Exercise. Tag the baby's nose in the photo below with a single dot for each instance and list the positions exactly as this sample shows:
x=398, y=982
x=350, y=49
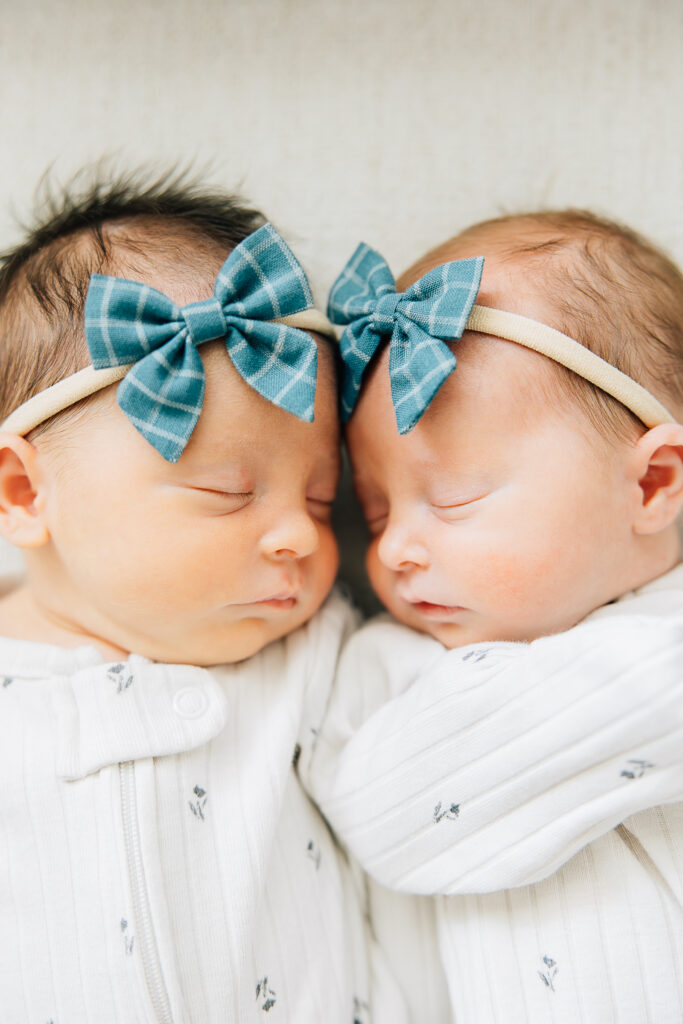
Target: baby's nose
x=399, y=549
x=294, y=535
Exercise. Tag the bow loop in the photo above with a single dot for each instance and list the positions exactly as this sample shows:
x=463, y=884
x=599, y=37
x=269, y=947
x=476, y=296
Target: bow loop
x=163, y=392
x=262, y=279
x=364, y=279
x=416, y=323
x=125, y=320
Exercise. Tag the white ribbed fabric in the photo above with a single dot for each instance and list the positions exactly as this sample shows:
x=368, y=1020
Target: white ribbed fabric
x=522, y=782
x=159, y=860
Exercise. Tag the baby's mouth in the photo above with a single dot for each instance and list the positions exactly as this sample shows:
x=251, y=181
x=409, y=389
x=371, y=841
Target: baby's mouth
x=436, y=611
x=282, y=601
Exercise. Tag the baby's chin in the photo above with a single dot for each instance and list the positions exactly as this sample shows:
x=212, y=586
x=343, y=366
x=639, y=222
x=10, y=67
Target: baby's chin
x=463, y=627
x=448, y=634
x=451, y=627
x=233, y=643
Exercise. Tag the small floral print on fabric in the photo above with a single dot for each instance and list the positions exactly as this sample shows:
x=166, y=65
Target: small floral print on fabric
x=551, y=970
x=475, y=656
x=442, y=811
x=361, y=1011
x=313, y=853
x=199, y=803
x=119, y=675
x=7, y=681
x=636, y=768
x=129, y=940
x=265, y=995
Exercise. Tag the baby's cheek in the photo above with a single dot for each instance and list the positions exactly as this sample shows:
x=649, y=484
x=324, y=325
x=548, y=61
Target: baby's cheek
x=380, y=577
x=516, y=583
x=326, y=561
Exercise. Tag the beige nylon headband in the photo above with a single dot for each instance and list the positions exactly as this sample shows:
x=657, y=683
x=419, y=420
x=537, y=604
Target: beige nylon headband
x=510, y=326
x=86, y=382
x=574, y=356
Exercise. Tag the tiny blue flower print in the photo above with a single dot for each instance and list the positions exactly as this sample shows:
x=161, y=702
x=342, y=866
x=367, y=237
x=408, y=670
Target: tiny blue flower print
x=360, y=1011
x=199, y=803
x=636, y=769
x=442, y=811
x=265, y=994
x=7, y=681
x=313, y=852
x=551, y=970
x=129, y=940
x=120, y=677
x=475, y=656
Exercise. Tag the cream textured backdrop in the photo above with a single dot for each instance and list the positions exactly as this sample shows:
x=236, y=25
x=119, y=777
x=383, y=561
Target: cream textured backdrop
x=393, y=121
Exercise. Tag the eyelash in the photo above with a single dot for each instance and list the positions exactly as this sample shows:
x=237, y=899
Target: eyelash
x=242, y=498
x=458, y=504
x=376, y=524
x=238, y=498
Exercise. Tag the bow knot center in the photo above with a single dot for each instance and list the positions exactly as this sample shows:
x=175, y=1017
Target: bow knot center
x=384, y=314
x=205, y=320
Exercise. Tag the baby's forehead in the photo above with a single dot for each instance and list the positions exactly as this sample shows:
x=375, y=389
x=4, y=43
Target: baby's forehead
x=513, y=278
x=180, y=262
x=494, y=382
x=497, y=240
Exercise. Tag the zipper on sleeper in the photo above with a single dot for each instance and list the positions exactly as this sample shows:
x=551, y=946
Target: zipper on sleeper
x=143, y=918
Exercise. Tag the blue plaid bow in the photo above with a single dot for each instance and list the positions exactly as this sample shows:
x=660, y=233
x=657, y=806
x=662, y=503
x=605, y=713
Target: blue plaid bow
x=163, y=393
x=437, y=306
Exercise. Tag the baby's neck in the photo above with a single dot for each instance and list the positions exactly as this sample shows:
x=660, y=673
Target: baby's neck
x=23, y=618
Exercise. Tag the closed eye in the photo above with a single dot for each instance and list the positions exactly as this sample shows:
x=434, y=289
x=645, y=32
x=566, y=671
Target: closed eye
x=456, y=508
x=225, y=501
x=320, y=508
x=376, y=523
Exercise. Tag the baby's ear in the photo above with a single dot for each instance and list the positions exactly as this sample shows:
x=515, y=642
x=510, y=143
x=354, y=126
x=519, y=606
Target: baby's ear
x=659, y=465
x=22, y=521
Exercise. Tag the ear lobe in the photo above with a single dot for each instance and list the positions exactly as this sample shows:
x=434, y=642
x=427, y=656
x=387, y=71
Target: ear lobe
x=660, y=476
x=21, y=505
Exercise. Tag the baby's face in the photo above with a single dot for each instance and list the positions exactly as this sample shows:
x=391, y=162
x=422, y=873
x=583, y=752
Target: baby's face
x=207, y=560
x=496, y=517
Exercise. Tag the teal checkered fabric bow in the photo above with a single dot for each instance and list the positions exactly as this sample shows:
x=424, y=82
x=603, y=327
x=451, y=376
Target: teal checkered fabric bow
x=436, y=307
x=163, y=392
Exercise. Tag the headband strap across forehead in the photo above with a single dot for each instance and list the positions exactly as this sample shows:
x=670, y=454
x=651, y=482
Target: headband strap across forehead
x=262, y=306
x=440, y=307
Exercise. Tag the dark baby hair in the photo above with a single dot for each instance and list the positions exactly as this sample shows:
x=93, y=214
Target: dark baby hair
x=100, y=224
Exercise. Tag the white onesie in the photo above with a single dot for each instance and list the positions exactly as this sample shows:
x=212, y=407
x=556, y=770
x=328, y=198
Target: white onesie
x=536, y=790
x=159, y=859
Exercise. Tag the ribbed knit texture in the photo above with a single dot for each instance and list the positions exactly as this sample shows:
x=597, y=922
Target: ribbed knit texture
x=520, y=784
x=159, y=859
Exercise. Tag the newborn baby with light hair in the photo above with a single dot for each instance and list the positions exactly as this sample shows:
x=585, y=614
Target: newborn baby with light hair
x=512, y=743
